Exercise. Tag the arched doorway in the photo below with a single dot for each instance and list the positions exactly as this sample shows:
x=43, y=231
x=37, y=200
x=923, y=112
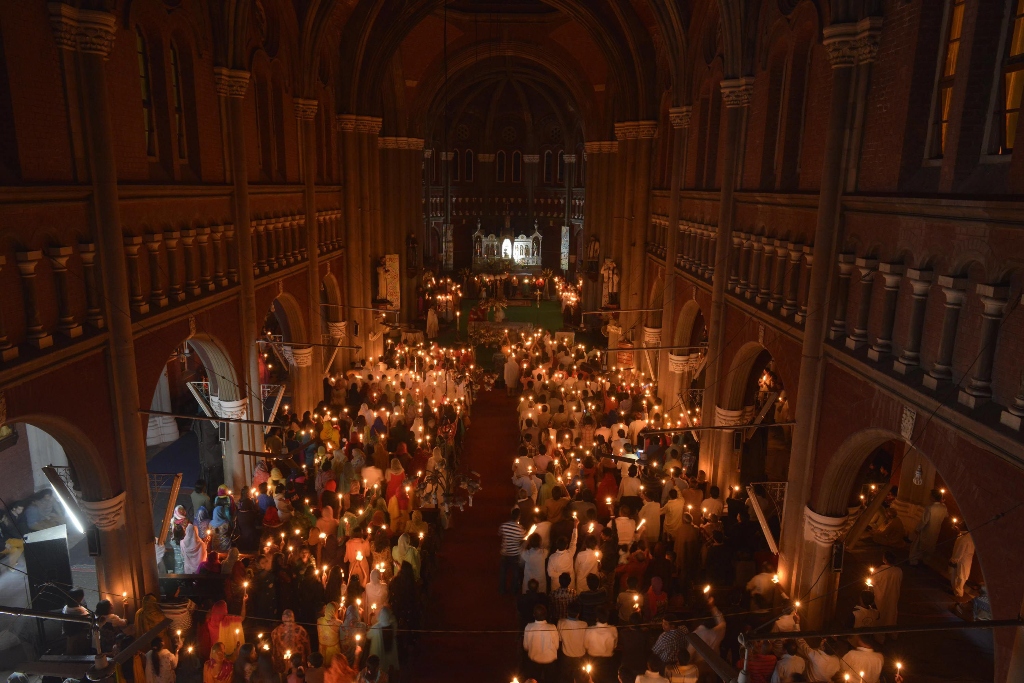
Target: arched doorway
x=197, y=380
x=29, y=509
x=286, y=361
x=333, y=329
x=875, y=489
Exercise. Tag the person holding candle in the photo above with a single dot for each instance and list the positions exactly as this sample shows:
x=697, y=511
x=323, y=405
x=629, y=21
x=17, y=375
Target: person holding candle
x=160, y=663
x=218, y=668
x=288, y=637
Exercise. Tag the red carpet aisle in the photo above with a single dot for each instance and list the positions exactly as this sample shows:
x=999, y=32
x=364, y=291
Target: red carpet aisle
x=464, y=595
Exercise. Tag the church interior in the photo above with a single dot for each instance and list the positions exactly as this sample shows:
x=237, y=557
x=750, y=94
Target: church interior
x=320, y=318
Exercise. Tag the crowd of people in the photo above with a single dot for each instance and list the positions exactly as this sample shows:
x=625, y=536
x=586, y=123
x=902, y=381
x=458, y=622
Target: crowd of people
x=618, y=547
x=319, y=566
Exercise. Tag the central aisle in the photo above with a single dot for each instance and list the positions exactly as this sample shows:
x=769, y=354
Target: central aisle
x=464, y=595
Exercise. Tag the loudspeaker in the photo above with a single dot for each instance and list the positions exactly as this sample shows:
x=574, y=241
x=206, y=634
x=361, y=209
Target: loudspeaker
x=222, y=431
x=47, y=561
x=737, y=441
x=838, y=550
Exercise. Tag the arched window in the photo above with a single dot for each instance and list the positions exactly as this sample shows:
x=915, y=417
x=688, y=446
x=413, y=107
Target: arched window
x=772, y=121
x=469, y=165
x=456, y=163
x=10, y=166
x=147, y=94
x=517, y=167
x=1009, y=87
x=177, y=102
x=281, y=158
x=581, y=166
x=499, y=166
x=561, y=167
x=549, y=171
x=947, y=74
x=263, y=126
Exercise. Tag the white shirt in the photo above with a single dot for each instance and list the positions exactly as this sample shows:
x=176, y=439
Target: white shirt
x=712, y=636
x=651, y=677
x=626, y=528
x=821, y=666
x=713, y=506
x=863, y=659
x=587, y=562
x=786, y=667
x=540, y=640
x=573, y=633
x=168, y=662
x=601, y=640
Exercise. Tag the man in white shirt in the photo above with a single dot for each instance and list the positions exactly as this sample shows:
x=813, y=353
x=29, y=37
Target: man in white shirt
x=713, y=504
x=862, y=663
x=655, y=668
x=600, y=642
x=712, y=631
x=960, y=562
x=587, y=562
x=822, y=664
x=573, y=632
x=561, y=561
x=886, y=583
x=540, y=640
x=790, y=663
x=673, y=511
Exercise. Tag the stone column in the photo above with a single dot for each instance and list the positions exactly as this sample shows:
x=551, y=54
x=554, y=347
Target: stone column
x=305, y=112
x=764, y=286
x=259, y=247
x=842, y=297
x=820, y=533
x=743, y=259
x=59, y=262
x=736, y=94
x=780, y=276
x=8, y=351
x=920, y=284
x=93, y=309
x=130, y=564
x=353, y=235
x=205, y=277
x=942, y=369
x=799, y=567
x=892, y=273
x=132, y=245
x=979, y=390
x=175, y=292
x=156, y=288
x=734, y=267
x=188, y=240
x=792, y=280
x=805, y=279
x=756, y=259
x=640, y=217
x=217, y=233
x=230, y=253
x=679, y=117
x=34, y=332
x=231, y=87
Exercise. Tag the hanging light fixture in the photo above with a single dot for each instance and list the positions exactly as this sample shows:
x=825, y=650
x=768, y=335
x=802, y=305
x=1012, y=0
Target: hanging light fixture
x=918, y=476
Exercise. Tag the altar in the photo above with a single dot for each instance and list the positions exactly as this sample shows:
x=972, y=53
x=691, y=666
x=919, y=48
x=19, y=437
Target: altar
x=496, y=252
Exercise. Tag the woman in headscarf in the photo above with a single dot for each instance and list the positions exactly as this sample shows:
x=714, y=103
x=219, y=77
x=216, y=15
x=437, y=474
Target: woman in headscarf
x=209, y=632
x=395, y=476
x=339, y=670
x=398, y=509
x=351, y=627
x=382, y=556
x=202, y=522
x=180, y=517
x=148, y=615
x=416, y=526
x=227, y=567
x=288, y=637
x=327, y=631
x=221, y=526
x=383, y=642
x=193, y=550
x=405, y=552
x=376, y=594
x=327, y=523
x=218, y=667
x=245, y=664
x=261, y=474
x=311, y=599
x=607, y=491
x=546, y=488
x=366, y=414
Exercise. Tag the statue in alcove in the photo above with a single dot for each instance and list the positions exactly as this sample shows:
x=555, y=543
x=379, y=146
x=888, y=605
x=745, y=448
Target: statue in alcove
x=610, y=284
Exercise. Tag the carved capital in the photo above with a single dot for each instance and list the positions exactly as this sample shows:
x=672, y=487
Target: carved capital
x=369, y=124
x=337, y=329
x=601, y=146
x=88, y=31
x=824, y=530
x=346, y=122
x=679, y=117
x=485, y=158
x=230, y=82
x=531, y=158
x=233, y=410
x=631, y=130
x=869, y=35
x=387, y=143
x=840, y=41
x=428, y=154
x=736, y=92
x=105, y=515
x=305, y=110
x=652, y=336
x=733, y=418
x=569, y=158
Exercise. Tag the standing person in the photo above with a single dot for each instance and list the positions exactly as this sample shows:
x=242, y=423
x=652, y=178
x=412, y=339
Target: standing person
x=886, y=583
x=540, y=640
x=587, y=562
x=193, y=550
x=511, y=534
x=822, y=663
x=289, y=637
x=511, y=374
x=600, y=641
x=76, y=634
x=217, y=668
x=533, y=563
x=561, y=560
x=572, y=631
x=655, y=671
x=688, y=547
x=327, y=632
x=383, y=642
x=789, y=664
x=562, y=596
x=160, y=662
x=862, y=663
x=961, y=560
x=928, y=529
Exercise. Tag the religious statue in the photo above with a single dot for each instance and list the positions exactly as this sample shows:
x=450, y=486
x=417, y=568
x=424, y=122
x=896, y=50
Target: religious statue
x=610, y=285
x=593, y=256
x=382, y=280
